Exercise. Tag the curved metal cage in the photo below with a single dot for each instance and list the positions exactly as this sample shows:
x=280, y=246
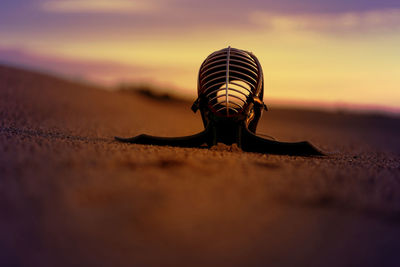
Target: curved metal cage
x=228, y=81
x=230, y=99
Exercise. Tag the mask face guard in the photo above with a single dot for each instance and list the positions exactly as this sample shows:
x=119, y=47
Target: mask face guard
x=230, y=93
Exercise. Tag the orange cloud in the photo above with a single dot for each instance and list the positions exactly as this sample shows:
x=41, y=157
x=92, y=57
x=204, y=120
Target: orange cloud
x=98, y=6
x=369, y=20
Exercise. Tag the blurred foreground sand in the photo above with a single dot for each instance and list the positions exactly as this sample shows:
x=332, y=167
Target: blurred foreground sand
x=71, y=196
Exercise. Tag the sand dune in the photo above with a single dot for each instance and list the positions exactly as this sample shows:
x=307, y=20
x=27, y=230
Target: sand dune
x=72, y=196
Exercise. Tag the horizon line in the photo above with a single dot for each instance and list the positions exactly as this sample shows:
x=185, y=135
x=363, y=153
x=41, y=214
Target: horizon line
x=179, y=93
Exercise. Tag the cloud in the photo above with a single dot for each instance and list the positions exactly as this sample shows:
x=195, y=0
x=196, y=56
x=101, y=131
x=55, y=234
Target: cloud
x=292, y=6
x=346, y=21
x=98, y=6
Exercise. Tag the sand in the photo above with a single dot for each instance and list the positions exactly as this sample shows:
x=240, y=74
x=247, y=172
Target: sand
x=72, y=196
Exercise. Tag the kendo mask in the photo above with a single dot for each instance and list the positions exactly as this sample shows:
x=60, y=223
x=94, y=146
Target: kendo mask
x=230, y=99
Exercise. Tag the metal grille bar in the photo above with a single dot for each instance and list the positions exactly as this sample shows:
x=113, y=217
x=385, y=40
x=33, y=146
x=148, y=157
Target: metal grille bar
x=227, y=78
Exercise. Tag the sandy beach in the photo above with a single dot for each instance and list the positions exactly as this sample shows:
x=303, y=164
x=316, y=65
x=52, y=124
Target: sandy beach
x=72, y=196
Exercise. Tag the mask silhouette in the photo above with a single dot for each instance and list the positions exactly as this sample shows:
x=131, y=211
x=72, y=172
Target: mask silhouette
x=230, y=100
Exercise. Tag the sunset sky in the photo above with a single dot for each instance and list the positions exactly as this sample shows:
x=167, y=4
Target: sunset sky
x=336, y=52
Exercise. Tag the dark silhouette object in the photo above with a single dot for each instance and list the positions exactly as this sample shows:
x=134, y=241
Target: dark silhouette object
x=230, y=93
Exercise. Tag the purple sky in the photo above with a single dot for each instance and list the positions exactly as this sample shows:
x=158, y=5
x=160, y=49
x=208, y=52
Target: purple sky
x=26, y=15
